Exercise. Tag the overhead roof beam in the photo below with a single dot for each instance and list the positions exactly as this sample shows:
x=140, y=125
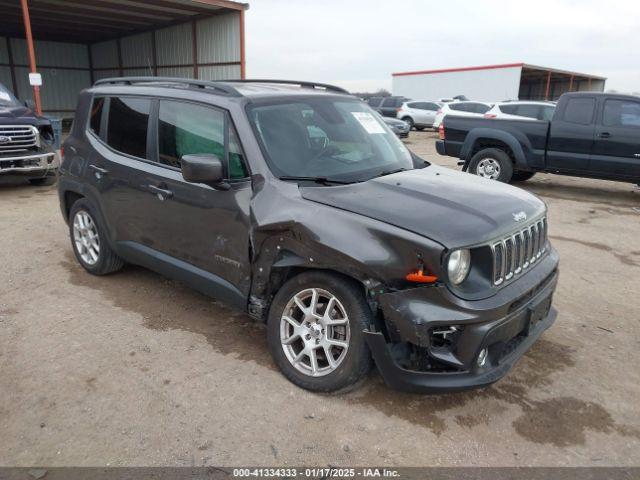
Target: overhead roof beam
x=79, y=14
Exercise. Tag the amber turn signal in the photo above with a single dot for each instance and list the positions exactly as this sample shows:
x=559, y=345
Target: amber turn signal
x=420, y=277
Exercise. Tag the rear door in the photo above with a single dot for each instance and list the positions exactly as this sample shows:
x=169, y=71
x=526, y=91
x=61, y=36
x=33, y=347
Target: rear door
x=571, y=135
x=389, y=106
x=616, y=146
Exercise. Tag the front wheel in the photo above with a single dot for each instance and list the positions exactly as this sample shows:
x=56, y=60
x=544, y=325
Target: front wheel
x=315, y=332
x=492, y=163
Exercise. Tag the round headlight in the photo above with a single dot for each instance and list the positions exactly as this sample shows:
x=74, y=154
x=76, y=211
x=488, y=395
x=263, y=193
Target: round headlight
x=458, y=266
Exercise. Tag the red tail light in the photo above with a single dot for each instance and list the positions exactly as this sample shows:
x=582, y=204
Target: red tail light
x=61, y=152
x=398, y=109
x=441, y=131
x=490, y=115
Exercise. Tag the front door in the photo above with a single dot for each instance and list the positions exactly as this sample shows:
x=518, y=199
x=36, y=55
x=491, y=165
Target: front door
x=616, y=147
x=157, y=214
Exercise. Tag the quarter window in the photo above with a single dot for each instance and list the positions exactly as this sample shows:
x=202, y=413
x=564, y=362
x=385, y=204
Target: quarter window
x=579, y=110
x=95, y=117
x=127, y=126
x=621, y=113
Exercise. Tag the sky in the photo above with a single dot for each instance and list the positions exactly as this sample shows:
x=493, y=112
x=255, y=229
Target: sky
x=357, y=44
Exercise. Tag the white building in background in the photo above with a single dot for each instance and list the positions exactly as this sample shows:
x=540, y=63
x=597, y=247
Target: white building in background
x=494, y=83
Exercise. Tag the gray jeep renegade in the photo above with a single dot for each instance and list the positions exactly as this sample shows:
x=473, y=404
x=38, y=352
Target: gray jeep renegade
x=294, y=202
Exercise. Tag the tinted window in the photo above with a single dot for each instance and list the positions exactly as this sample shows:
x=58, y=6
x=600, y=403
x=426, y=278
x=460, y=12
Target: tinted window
x=127, y=127
x=375, y=101
x=185, y=128
x=389, y=102
x=621, y=113
x=508, y=109
x=432, y=106
x=528, y=110
x=95, y=116
x=414, y=104
x=546, y=113
x=579, y=110
x=481, y=108
x=461, y=107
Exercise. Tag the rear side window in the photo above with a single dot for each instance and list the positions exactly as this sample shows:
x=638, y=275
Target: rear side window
x=186, y=128
x=508, y=109
x=621, y=113
x=481, y=108
x=375, y=101
x=432, y=106
x=389, y=102
x=127, y=125
x=528, y=110
x=579, y=110
x=95, y=116
x=460, y=107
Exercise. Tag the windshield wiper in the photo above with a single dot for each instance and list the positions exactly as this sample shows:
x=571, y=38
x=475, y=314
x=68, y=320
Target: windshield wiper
x=320, y=180
x=389, y=172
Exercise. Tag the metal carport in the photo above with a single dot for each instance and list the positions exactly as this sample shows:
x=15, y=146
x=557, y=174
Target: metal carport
x=72, y=43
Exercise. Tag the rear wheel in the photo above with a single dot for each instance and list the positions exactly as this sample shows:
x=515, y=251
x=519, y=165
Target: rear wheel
x=409, y=120
x=88, y=240
x=492, y=163
x=315, y=332
x=520, y=176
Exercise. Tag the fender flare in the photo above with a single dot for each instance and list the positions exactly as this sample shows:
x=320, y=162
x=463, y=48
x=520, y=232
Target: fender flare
x=514, y=143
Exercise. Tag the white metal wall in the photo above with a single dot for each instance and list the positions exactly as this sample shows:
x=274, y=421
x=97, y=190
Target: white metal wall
x=489, y=85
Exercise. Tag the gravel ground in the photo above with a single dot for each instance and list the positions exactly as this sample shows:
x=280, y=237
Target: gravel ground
x=135, y=369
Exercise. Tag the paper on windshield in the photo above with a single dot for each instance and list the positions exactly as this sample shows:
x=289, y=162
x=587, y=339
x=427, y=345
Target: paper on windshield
x=368, y=122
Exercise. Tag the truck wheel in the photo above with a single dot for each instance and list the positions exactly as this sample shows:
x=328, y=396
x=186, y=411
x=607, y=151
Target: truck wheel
x=520, y=176
x=492, y=163
x=88, y=241
x=44, y=181
x=315, y=332
x=409, y=120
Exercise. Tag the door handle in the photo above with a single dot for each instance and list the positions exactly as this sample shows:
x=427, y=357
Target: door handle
x=161, y=193
x=98, y=172
x=604, y=135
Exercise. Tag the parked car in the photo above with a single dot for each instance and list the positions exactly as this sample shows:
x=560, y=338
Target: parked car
x=26, y=142
x=419, y=113
x=299, y=207
x=594, y=135
x=399, y=127
x=522, y=110
x=387, y=106
x=461, y=109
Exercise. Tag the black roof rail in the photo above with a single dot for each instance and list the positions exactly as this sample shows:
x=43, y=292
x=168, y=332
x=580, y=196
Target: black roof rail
x=226, y=89
x=302, y=84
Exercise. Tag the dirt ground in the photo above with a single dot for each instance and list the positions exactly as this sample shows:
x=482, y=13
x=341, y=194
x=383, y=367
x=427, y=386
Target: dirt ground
x=135, y=369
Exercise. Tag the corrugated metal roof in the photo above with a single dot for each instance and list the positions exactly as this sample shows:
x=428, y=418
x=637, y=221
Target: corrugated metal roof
x=89, y=21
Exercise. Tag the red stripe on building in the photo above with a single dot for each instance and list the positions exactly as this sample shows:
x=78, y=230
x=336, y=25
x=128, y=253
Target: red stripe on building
x=463, y=69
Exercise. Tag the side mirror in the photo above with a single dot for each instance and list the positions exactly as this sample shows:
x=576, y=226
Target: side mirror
x=203, y=168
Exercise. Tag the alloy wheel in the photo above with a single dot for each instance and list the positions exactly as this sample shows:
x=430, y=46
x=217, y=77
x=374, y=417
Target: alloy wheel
x=314, y=332
x=86, y=238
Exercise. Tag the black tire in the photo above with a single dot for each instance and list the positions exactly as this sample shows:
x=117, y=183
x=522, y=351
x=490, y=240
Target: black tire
x=357, y=361
x=107, y=261
x=409, y=120
x=500, y=156
x=420, y=129
x=42, y=182
x=520, y=176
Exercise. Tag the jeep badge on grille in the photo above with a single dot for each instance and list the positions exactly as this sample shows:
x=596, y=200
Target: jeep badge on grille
x=519, y=216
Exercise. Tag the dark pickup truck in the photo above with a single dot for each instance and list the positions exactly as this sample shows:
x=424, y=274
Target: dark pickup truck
x=594, y=135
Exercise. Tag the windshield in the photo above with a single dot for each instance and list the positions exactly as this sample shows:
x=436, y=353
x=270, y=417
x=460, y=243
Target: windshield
x=331, y=138
x=6, y=98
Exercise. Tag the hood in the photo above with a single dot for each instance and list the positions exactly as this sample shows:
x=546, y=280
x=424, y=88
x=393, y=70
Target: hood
x=453, y=208
x=23, y=115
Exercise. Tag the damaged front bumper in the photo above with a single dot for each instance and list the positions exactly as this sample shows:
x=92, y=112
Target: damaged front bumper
x=499, y=329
